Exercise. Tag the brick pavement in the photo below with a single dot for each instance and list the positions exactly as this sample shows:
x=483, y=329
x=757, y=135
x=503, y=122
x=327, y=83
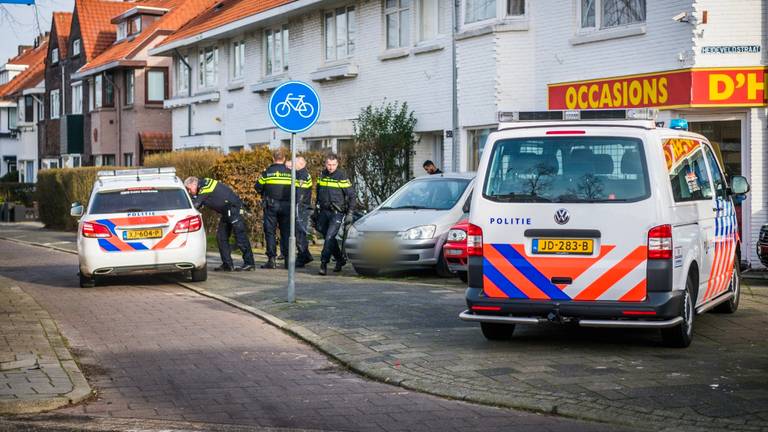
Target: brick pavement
x=37, y=371
x=158, y=351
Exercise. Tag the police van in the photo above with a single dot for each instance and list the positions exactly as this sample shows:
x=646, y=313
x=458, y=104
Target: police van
x=139, y=221
x=600, y=219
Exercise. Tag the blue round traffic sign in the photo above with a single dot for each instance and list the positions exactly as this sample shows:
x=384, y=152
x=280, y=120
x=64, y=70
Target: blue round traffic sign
x=294, y=106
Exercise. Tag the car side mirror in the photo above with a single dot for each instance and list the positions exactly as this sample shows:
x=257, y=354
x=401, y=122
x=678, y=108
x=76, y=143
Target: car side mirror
x=739, y=185
x=76, y=210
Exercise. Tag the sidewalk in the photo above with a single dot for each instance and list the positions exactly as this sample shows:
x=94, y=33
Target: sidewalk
x=407, y=332
x=37, y=371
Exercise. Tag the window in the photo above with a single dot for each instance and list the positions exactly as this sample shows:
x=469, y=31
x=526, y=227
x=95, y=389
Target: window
x=318, y=144
x=107, y=160
x=182, y=75
x=55, y=108
x=130, y=86
x=77, y=98
x=144, y=199
x=717, y=175
x=122, y=30
x=40, y=110
x=339, y=28
x=134, y=25
x=76, y=162
x=109, y=90
x=237, y=59
x=515, y=8
x=600, y=14
x=155, y=85
x=54, y=56
x=431, y=19
x=398, y=23
x=209, y=66
x=276, y=49
x=426, y=194
x=689, y=178
x=13, y=117
x=76, y=48
x=479, y=10
x=29, y=109
x=477, y=139
x=127, y=159
x=97, y=88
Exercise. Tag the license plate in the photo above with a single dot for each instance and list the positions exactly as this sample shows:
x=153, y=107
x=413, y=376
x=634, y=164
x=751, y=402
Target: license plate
x=453, y=251
x=379, y=249
x=563, y=246
x=142, y=234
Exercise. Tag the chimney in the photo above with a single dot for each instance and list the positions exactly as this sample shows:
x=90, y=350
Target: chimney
x=24, y=48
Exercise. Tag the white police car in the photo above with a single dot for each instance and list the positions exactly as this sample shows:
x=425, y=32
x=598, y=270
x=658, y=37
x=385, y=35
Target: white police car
x=139, y=221
x=601, y=221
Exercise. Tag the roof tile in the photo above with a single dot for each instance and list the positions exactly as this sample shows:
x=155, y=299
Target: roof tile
x=63, y=23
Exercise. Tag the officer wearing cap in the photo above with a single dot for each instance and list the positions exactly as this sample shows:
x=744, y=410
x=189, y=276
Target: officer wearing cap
x=220, y=198
x=274, y=186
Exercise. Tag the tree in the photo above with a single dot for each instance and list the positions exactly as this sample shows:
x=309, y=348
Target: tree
x=381, y=160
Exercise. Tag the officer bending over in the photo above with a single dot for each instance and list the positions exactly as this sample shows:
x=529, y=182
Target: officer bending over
x=335, y=200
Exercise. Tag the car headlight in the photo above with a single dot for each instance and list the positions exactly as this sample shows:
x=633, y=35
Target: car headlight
x=352, y=232
x=457, y=235
x=423, y=232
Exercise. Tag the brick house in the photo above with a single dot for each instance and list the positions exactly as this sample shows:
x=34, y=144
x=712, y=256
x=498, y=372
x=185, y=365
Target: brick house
x=49, y=141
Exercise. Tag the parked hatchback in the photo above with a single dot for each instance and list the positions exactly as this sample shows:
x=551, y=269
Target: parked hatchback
x=408, y=230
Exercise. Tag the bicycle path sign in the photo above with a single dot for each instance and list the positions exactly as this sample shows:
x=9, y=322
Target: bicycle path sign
x=294, y=106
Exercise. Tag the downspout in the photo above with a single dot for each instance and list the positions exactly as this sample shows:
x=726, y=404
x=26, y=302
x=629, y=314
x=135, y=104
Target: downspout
x=116, y=90
x=454, y=88
x=189, y=90
x=62, y=111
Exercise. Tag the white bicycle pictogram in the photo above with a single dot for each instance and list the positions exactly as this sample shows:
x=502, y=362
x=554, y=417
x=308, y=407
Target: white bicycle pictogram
x=304, y=109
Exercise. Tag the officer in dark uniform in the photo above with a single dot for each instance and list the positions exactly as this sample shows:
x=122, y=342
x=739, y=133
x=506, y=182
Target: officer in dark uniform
x=220, y=198
x=274, y=186
x=335, y=201
x=303, y=209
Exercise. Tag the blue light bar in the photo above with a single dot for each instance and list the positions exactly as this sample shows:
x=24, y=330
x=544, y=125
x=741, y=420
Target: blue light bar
x=678, y=123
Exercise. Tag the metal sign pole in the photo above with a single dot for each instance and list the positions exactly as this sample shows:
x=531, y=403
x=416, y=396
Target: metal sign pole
x=292, y=239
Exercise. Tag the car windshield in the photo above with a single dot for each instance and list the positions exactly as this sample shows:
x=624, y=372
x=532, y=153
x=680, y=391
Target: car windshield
x=567, y=170
x=140, y=200
x=439, y=194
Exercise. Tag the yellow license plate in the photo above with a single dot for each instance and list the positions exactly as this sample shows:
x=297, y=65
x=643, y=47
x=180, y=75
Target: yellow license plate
x=142, y=234
x=563, y=246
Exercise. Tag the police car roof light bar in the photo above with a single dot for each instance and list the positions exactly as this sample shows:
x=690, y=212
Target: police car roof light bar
x=572, y=115
x=137, y=173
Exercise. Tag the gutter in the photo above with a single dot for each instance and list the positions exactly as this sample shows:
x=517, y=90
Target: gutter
x=80, y=74
x=277, y=12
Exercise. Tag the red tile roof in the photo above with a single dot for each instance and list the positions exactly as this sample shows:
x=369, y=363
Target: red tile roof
x=96, y=30
x=30, y=77
x=181, y=11
x=222, y=13
x=155, y=141
x=63, y=23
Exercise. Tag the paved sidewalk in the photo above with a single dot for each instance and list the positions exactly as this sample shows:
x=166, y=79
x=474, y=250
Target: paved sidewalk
x=37, y=371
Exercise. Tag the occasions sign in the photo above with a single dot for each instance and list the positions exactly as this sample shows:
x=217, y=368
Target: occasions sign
x=712, y=87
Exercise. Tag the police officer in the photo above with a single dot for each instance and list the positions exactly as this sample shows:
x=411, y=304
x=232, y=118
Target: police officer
x=335, y=200
x=220, y=198
x=274, y=186
x=303, y=209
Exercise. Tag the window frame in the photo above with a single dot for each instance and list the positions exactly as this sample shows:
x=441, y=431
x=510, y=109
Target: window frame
x=203, y=82
x=108, y=97
x=13, y=117
x=98, y=89
x=55, y=56
x=398, y=11
x=29, y=109
x=236, y=71
x=700, y=151
x=77, y=86
x=147, y=73
x=129, y=84
x=502, y=13
x=334, y=13
x=598, y=27
x=134, y=25
x=76, y=47
x=284, y=50
x=419, y=18
x=55, y=108
x=182, y=75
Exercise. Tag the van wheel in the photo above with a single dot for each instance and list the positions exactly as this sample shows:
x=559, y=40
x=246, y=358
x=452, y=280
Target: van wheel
x=680, y=336
x=735, y=287
x=87, y=282
x=497, y=332
x=464, y=276
x=441, y=268
x=201, y=274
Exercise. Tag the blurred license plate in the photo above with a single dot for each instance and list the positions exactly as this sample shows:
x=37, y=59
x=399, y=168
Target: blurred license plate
x=379, y=249
x=453, y=251
x=563, y=246
x=142, y=234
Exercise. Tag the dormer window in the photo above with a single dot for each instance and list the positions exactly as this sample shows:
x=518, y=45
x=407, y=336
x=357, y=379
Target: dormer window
x=76, y=48
x=134, y=26
x=54, y=56
x=130, y=22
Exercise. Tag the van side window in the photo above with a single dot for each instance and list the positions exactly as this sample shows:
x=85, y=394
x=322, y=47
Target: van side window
x=689, y=178
x=717, y=175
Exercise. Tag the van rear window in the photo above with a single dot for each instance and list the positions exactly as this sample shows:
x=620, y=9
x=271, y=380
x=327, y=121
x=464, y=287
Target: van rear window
x=567, y=170
x=140, y=200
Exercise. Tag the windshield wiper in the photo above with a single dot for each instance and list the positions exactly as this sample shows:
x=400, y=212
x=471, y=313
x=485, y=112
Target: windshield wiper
x=408, y=207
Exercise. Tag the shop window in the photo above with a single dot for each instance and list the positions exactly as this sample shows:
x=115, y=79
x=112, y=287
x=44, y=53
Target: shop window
x=602, y=14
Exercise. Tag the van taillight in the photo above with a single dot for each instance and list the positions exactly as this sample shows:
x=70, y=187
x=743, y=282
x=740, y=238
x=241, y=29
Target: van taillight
x=474, y=240
x=190, y=224
x=95, y=230
x=660, y=242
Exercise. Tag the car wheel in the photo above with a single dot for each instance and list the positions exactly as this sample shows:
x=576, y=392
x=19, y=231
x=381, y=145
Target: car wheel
x=366, y=271
x=87, y=282
x=464, y=276
x=681, y=335
x=497, y=332
x=201, y=274
x=442, y=269
x=735, y=287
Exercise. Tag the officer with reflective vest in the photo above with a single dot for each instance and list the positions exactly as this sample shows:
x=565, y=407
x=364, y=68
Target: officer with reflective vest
x=335, y=201
x=220, y=198
x=274, y=186
x=303, y=209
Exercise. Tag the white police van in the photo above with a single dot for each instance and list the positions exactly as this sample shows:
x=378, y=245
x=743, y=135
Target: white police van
x=601, y=219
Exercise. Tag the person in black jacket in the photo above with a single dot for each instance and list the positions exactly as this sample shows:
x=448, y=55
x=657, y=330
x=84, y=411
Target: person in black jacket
x=303, y=209
x=431, y=168
x=274, y=186
x=335, y=201
x=220, y=198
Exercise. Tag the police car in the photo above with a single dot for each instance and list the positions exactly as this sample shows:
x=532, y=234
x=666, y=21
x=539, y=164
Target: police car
x=139, y=221
x=601, y=219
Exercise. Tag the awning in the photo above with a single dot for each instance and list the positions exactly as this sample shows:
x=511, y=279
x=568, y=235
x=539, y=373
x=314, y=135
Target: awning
x=156, y=141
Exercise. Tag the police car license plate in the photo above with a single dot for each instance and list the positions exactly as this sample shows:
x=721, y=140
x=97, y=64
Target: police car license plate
x=563, y=246
x=142, y=234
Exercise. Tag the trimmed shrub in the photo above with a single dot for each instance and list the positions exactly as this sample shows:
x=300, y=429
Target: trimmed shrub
x=197, y=163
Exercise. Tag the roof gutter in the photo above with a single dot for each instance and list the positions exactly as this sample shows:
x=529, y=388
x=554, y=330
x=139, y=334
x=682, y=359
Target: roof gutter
x=279, y=11
x=111, y=65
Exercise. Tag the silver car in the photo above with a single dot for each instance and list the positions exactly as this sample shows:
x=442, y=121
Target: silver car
x=407, y=231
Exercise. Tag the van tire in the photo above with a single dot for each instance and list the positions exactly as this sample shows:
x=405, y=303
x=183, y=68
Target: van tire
x=681, y=335
x=87, y=282
x=201, y=274
x=732, y=305
x=497, y=332
x=441, y=268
